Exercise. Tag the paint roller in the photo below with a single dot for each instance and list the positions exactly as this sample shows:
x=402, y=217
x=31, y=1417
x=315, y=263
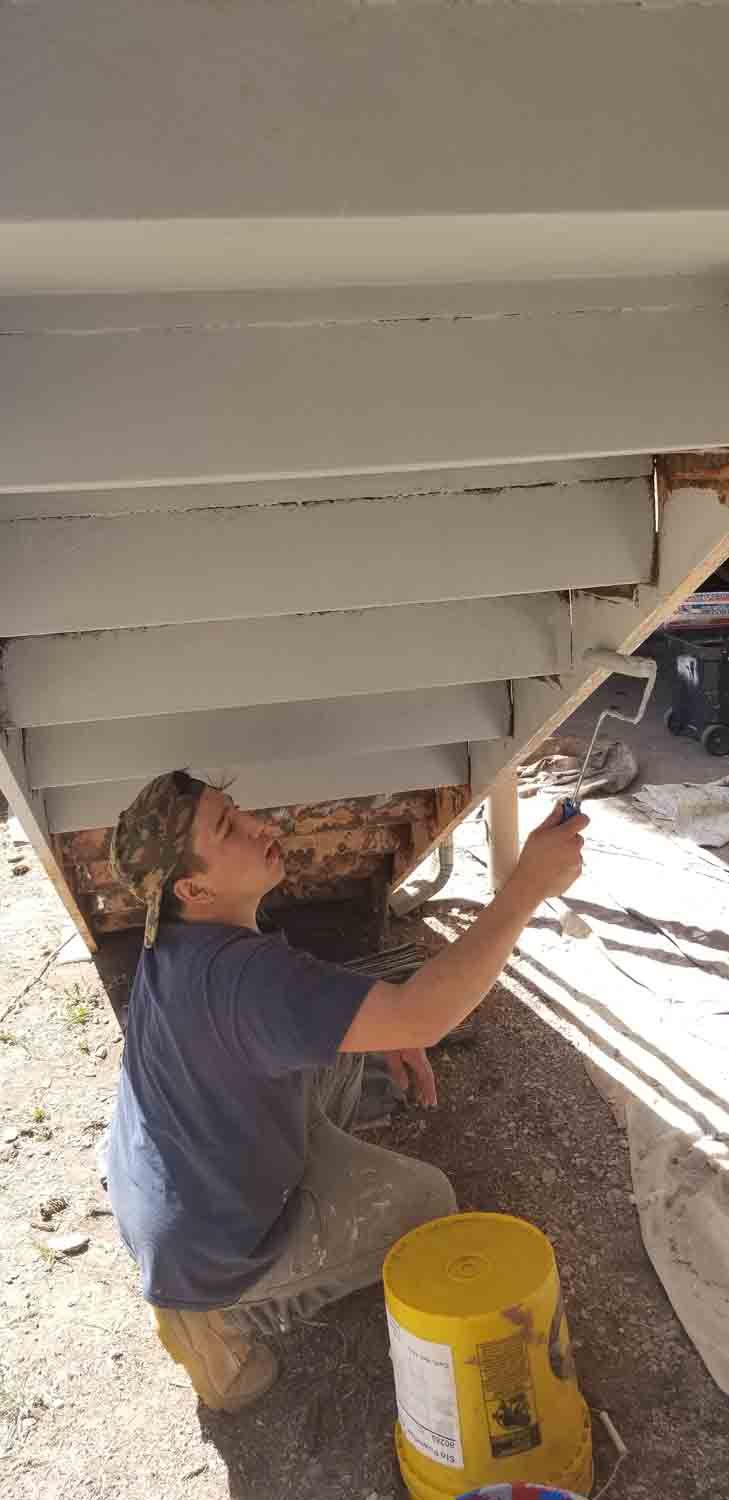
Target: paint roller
x=627, y=666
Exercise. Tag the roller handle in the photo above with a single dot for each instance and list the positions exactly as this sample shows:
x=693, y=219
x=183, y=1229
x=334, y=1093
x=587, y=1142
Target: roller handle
x=627, y=666
x=570, y=809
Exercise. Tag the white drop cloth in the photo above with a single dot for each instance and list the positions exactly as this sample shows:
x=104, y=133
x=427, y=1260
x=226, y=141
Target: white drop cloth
x=693, y=812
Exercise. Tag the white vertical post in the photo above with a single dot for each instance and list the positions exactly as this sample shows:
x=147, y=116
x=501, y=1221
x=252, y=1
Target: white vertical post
x=502, y=816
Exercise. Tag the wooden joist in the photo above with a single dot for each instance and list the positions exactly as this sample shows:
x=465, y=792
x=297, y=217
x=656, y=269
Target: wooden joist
x=263, y=786
x=614, y=114
x=173, y=407
x=172, y=669
x=20, y=505
x=117, y=750
x=100, y=574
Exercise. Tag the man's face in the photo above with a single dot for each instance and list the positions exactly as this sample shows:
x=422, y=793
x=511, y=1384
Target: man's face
x=241, y=852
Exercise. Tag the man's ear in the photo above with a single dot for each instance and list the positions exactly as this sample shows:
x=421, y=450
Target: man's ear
x=191, y=891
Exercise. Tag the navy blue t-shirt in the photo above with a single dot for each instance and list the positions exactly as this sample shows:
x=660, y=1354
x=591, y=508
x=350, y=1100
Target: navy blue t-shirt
x=208, y=1137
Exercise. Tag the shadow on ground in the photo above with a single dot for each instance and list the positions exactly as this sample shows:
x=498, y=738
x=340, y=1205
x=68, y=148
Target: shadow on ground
x=325, y=1430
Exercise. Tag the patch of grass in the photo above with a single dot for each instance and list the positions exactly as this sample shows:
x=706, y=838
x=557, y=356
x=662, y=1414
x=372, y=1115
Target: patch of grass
x=48, y=1254
x=79, y=1005
x=77, y=1013
x=9, y=1038
x=83, y=1046
x=39, y=1114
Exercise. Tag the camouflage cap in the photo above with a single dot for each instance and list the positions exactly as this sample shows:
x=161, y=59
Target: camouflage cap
x=149, y=841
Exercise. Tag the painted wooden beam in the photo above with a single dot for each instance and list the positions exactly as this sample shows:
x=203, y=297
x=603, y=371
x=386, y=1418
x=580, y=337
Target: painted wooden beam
x=29, y=807
x=116, y=750
x=94, y=313
x=73, y=575
x=96, y=193
x=21, y=505
x=693, y=540
x=259, y=786
x=64, y=255
x=71, y=679
x=265, y=403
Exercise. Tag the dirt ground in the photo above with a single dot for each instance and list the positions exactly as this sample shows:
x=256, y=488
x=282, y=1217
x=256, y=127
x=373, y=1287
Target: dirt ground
x=91, y=1406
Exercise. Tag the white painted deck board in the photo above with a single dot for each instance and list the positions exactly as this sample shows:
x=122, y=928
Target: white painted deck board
x=267, y=403
x=36, y=504
x=115, y=256
x=70, y=754
x=348, y=89
x=68, y=575
x=95, y=312
x=175, y=669
x=261, y=786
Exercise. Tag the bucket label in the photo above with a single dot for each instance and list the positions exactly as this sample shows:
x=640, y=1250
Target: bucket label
x=508, y=1396
x=425, y=1387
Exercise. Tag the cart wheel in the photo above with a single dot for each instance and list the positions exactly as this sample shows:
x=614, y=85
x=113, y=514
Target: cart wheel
x=715, y=739
x=672, y=722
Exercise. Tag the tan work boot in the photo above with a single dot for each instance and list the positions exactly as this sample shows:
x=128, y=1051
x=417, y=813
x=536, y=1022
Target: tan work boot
x=228, y=1370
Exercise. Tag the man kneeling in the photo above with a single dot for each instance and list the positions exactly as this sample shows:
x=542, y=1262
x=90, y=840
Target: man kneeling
x=235, y=1184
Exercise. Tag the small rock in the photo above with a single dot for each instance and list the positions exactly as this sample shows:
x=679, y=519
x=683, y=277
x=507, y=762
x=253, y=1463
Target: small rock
x=10, y=1135
x=101, y=1051
x=70, y=1244
x=549, y=1176
x=19, y=869
x=117, y=1354
x=52, y=1206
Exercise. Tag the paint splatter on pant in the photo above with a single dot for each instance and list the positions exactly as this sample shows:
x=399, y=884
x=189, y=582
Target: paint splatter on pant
x=354, y=1201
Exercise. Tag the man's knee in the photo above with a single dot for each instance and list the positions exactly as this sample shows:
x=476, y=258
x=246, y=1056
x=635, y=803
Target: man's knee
x=424, y=1193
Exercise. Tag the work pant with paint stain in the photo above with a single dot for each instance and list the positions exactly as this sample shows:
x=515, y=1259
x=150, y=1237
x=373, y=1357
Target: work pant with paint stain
x=353, y=1202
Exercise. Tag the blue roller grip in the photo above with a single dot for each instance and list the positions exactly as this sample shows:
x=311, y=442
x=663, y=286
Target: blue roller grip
x=570, y=809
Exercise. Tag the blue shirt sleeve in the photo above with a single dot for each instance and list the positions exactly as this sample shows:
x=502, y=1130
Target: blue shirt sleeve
x=280, y=1009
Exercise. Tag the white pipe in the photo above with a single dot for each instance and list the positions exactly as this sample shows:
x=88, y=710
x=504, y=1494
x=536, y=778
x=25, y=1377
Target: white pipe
x=409, y=897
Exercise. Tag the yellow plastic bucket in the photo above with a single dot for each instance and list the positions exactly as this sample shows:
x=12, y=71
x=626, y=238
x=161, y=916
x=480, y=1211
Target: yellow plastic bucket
x=484, y=1376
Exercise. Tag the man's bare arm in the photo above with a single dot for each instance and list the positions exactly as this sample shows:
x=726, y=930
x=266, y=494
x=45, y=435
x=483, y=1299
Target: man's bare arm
x=448, y=987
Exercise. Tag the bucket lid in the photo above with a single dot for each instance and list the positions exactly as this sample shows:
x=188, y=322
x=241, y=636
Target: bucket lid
x=468, y=1265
